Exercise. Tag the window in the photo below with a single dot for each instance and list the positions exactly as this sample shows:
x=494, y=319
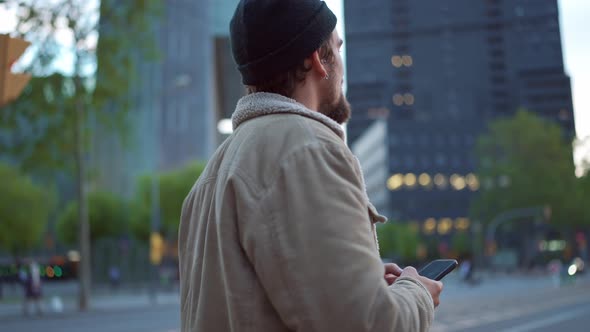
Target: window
x=497, y=66
x=453, y=140
x=495, y=39
x=439, y=140
x=393, y=140
x=424, y=161
x=497, y=52
x=441, y=160
x=183, y=118
x=171, y=114
x=409, y=161
x=424, y=139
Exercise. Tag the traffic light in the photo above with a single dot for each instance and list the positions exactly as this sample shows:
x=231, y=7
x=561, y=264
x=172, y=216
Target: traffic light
x=11, y=85
x=156, y=248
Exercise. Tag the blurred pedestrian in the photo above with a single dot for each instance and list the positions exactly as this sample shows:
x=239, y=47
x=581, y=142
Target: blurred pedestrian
x=278, y=233
x=30, y=277
x=114, y=277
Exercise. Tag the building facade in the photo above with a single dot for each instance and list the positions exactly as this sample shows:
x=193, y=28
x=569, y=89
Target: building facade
x=441, y=70
x=172, y=119
x=371, y=150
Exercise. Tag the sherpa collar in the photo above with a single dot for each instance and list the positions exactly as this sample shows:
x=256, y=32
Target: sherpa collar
x=263, y=103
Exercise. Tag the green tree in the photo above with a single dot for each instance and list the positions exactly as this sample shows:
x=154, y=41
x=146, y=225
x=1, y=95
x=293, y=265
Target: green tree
x=524, y=161
x=24, y=209
x=53, y=125
x=108, y=216
x=174, y=187
x=398, y=241
x=461, y=244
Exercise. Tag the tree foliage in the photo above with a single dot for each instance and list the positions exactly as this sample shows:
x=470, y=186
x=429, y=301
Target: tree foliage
x=24, y=211
x=108, y=216
x=398, y=241
x=461, y=244
x=174, y=186
x=524, y=161
x=41, y=124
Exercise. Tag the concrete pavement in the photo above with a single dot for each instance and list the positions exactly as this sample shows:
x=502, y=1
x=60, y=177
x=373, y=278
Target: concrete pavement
x=508, y=301
x=512, y=303
x=63, y=296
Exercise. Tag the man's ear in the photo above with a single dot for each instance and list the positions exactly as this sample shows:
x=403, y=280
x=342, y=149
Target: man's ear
x=318, y=66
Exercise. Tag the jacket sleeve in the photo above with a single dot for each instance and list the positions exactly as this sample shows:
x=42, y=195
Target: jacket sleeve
x=313, y=250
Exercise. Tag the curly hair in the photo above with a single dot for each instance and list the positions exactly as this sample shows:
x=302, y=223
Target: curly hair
x=285, y=83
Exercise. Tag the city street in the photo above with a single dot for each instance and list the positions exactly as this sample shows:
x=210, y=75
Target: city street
x=500, y=303
x=514, y=304
x=158, y=318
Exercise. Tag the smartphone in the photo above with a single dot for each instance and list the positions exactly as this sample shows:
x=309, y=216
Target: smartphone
x=439, y=268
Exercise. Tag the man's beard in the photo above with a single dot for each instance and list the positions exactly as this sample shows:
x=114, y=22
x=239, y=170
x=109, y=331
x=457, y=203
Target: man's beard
x=336, y=109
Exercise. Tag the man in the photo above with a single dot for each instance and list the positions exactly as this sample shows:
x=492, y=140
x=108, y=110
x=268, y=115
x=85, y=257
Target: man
x=278, y=233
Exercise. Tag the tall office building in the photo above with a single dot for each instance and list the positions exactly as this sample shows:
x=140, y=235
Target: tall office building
x=172, y=118
x=228, y=80
x=440, y=71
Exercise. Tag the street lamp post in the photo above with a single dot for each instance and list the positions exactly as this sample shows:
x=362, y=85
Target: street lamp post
x=538, y=212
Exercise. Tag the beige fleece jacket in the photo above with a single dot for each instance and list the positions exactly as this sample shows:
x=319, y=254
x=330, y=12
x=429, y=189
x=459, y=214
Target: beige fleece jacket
x=278, y=234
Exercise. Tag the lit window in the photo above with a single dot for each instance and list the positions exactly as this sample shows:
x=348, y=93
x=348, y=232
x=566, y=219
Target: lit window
x=398, y=99
x=224, y=126
x=472, y=181
x=409, y=99
x=395, y=182
x=410, y=180
x=444, y=226
x=458, y=182
x=396, y=61
x=429, y=226
x=440, y=181
x=414, y=226
x=462, y=224
x=407, y=60
x=424, y=180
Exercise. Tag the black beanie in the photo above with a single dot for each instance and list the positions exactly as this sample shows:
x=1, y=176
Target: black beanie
x=269, y=37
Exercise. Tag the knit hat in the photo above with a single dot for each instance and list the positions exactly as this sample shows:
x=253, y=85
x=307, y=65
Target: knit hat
x=269, y=37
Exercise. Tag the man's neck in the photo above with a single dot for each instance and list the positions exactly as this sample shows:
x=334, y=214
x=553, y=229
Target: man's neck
x=307, y=94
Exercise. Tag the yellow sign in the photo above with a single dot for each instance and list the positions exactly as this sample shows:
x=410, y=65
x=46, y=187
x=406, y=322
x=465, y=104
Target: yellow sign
x=156, y=248
x=11, y=85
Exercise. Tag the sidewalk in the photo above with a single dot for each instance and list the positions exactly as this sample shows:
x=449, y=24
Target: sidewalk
x=101, y=300
x=493, y=286
x=500, y=284
x=499, y=299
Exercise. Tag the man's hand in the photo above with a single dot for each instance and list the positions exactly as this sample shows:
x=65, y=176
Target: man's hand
x=392, y=272
x=433, y=287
